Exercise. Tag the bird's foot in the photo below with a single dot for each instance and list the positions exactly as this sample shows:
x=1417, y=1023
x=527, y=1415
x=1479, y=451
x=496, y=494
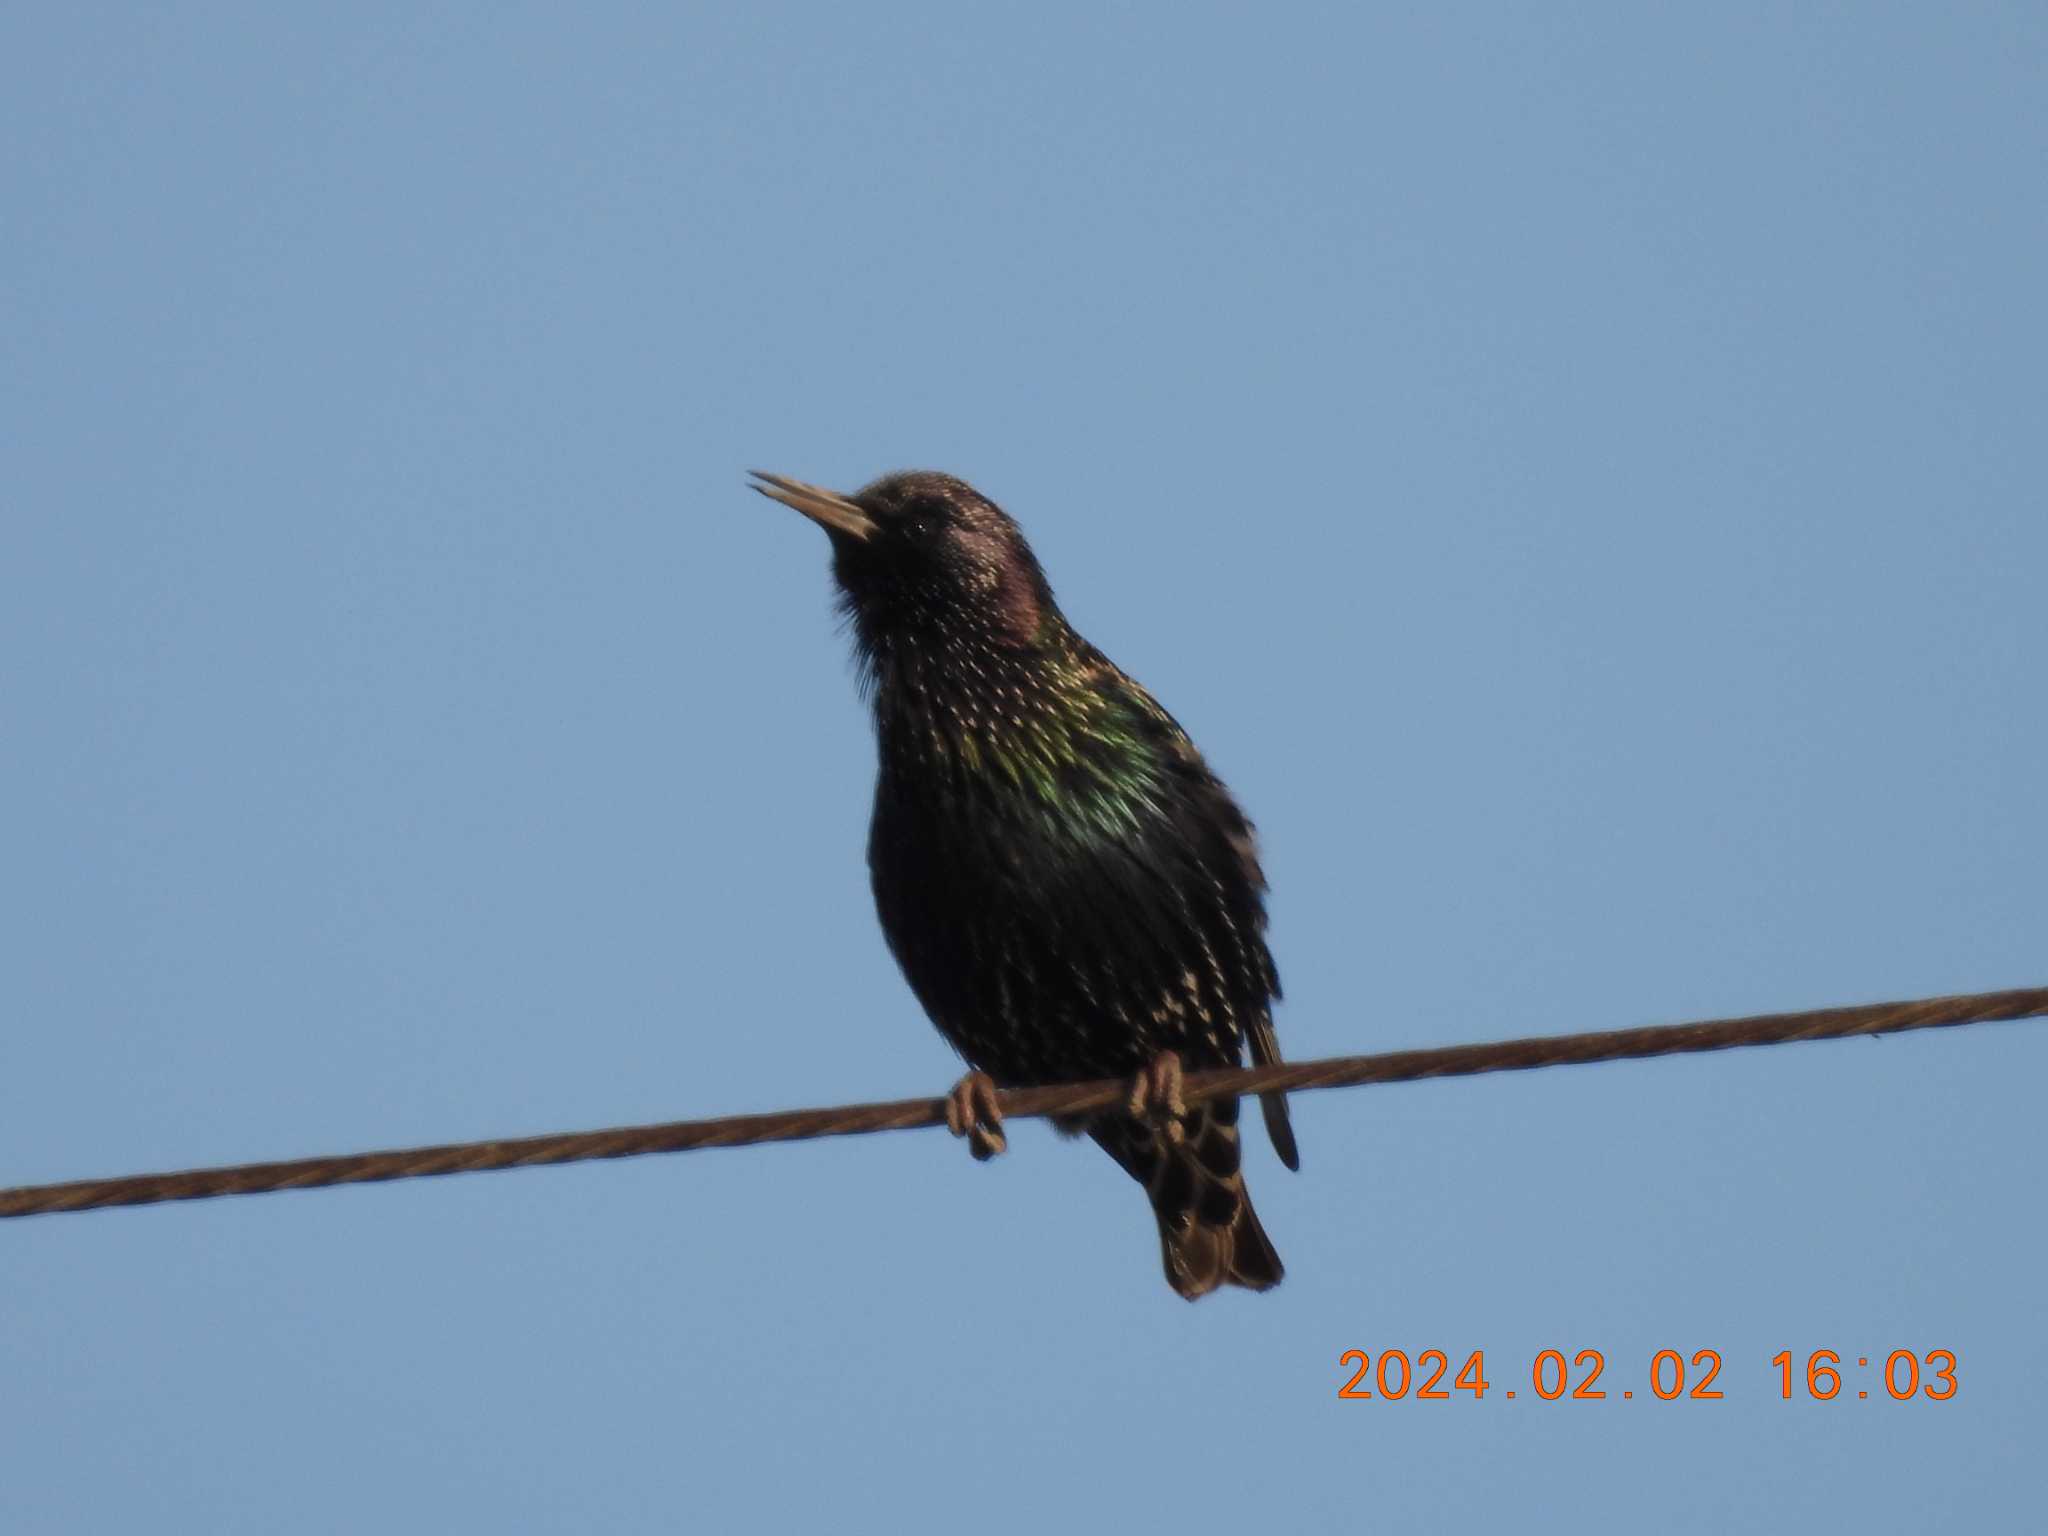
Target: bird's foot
x=972, y=1111
x=1156, y=1095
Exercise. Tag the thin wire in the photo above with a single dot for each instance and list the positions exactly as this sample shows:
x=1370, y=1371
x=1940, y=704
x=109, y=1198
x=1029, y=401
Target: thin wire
x=1025, y=1103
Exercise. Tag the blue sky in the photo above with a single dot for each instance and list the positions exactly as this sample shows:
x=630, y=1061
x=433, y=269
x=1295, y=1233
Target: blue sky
x=1580, y=477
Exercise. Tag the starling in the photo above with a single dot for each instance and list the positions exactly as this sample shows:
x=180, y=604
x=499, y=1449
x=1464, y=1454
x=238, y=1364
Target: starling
x=1069, y=890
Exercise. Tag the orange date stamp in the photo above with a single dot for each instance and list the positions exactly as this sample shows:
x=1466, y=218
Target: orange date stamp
x=1671, y=1374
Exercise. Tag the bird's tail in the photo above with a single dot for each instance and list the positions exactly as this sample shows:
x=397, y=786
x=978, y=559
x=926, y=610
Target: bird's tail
x=1209, y=1235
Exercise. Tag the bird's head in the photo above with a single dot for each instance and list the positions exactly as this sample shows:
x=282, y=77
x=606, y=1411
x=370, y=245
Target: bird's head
x=924, y=559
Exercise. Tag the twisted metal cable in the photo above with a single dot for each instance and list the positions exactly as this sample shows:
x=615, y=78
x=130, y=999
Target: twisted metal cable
x=1026, y=1103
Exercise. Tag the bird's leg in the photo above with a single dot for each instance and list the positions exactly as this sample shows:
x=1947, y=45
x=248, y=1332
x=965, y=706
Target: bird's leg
x=972, y=1111
x=1156, y=1095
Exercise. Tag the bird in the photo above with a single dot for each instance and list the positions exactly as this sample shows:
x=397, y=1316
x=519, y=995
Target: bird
x=1069, y=891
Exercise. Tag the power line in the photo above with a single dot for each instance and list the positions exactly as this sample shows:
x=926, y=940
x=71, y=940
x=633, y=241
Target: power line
x=1026, y=1103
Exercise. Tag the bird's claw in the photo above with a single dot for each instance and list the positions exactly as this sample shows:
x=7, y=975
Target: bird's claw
x=973, y=1111
x=1156, y=1095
